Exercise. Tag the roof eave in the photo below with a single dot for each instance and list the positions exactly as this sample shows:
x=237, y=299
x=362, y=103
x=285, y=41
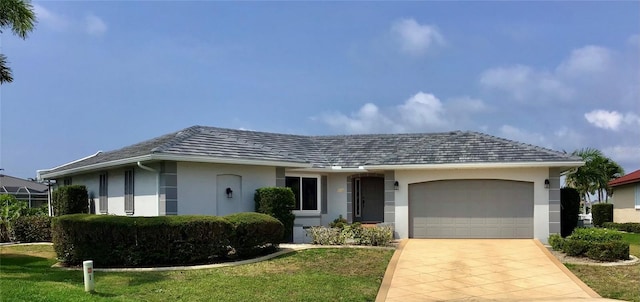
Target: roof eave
x=541, y=164
x=45, y=174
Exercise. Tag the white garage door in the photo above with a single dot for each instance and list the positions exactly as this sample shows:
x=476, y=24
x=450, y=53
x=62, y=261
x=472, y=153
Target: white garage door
x=477, y=208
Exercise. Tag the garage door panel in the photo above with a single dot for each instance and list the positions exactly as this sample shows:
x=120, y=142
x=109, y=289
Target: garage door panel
x=471, y=209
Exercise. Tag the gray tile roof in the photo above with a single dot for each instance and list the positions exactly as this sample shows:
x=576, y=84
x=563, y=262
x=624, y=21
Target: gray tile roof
x=337, y=150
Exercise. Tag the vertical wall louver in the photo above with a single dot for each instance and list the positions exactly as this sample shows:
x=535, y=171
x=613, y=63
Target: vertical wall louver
x=129, y=192
x=103, y=191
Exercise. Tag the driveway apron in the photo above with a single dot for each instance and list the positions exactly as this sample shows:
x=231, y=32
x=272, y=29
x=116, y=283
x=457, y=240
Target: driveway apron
x=477, y=270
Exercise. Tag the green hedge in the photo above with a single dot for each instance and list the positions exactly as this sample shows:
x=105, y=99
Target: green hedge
x=596, y=234
x=32, y=229
x=556, y=241
x=631, y=227
x=601, y=213
x=254, y=233
x=608, y=251
x=277, y=202
x=70, y=200
x=569, y=210
x=120, y=241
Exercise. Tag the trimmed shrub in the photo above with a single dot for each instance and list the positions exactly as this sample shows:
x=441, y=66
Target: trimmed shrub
x=569, y=210
x=121, y=241
x=556, y=241
x=32, y=229
x=70, y=200
x=380, y=235
x=326, y=236
x=602, y=212
x=254, y=233
x=4, y=232
x=631, y=227
x=608, y=251
x=595, y=234
x=575, y=247
x=277, y=202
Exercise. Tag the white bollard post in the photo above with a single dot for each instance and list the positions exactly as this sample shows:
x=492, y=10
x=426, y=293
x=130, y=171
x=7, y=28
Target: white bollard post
x=89, y=282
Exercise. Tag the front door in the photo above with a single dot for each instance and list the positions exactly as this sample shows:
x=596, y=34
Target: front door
x=368, y=199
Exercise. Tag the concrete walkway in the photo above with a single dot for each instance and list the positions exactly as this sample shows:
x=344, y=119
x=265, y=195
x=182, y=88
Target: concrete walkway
x=479, y=270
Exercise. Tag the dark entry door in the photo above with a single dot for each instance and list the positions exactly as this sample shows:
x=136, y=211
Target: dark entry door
x=369, y=199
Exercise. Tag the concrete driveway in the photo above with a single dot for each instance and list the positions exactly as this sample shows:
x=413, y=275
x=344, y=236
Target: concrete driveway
x=477, y=270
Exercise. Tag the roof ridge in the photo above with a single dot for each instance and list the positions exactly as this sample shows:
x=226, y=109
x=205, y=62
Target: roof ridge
x=454, y=133
x=521, y=144
x=178, y=137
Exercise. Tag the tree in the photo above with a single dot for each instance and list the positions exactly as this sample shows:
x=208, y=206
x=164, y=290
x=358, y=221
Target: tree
x=17, y=15
x=594, y=177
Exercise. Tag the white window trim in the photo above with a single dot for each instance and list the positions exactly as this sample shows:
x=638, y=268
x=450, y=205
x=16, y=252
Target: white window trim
x=318, y=198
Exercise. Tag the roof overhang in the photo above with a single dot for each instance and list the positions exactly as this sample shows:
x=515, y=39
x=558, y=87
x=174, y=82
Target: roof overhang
x=49, y=174
x=565, y=165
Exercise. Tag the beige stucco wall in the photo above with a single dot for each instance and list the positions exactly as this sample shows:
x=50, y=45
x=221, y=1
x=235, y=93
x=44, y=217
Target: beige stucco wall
x=623, y=200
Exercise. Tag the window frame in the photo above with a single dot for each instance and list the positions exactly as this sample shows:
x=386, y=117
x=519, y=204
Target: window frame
x=129, y=191
x=103, y=192
x=318, y=179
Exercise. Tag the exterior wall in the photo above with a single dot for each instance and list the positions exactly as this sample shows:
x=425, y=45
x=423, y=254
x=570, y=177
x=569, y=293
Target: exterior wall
x=198, y=192
x=145, y=189
x=336, y=197
x=535, y=175
x=623, y=200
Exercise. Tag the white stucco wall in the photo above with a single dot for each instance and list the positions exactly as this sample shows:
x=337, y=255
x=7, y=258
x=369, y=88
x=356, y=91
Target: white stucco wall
x=145, y=189
x=535, y=175
x=198, y=192
x=336, y=197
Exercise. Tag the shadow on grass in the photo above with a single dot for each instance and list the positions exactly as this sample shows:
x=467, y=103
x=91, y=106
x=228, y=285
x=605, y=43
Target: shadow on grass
x=38, y=269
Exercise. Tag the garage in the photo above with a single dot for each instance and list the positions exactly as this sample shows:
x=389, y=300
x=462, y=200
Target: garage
x=471, y=208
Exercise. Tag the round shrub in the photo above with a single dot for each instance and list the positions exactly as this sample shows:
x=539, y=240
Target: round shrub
x=575, y=247
x=121, y=241
x=608, y=251
x=254, y=233
x=556, y=241
x=32, y=229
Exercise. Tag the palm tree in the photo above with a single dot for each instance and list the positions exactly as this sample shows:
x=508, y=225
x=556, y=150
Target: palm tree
x=17, y=15
x=594, y=177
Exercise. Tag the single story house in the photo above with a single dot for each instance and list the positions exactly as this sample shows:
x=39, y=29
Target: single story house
x=626, y=197
x=429, y=185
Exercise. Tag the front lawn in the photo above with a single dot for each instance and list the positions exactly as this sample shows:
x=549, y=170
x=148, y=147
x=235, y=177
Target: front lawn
x=310, y=275
x=616, y=282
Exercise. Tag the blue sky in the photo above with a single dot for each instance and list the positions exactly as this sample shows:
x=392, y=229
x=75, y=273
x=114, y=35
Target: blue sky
x=103, y=75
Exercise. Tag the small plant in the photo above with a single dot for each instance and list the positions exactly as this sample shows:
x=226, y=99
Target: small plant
x=556, y=241
x=339, y=222
x=380, y=235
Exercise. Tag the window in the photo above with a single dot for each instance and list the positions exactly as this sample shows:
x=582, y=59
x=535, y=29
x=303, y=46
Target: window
x=128, y=191
x=103, y=189
x=66, y=181
x=305, y=190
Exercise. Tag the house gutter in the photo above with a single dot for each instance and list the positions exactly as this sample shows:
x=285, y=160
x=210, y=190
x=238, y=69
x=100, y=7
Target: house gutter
x=567, y=164
x=146, y=168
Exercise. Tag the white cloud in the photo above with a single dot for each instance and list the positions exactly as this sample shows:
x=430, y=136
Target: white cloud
x=520, y=135
x=94, y=25
x=612, y=120
x=49, y=18
x=623, y=154
x=522, y=83
x=422, y=112
x=586, y=60
x=416, y=39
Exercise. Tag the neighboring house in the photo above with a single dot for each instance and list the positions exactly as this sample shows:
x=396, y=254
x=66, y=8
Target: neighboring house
x=438, y=185
x=31, y=192
x=626, y=197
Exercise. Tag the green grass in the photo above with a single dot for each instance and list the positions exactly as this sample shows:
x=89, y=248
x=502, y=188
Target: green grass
x=615, y=282
x=310, y=275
